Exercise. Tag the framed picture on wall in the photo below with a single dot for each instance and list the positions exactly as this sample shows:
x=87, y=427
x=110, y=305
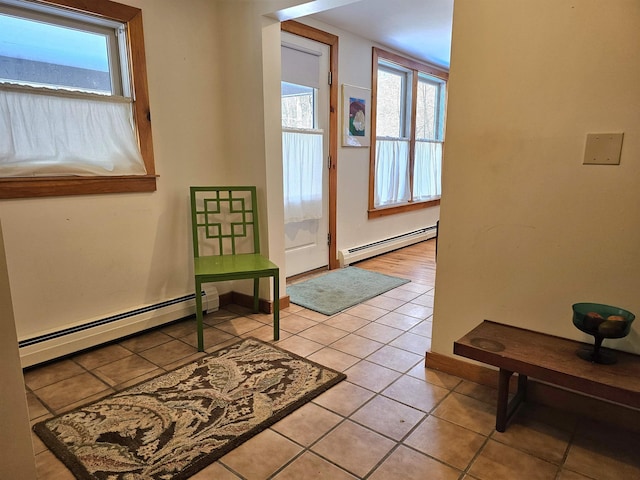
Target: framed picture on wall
x=356, y=109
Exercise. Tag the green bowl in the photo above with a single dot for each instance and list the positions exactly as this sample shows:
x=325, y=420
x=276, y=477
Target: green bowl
x=603, y=321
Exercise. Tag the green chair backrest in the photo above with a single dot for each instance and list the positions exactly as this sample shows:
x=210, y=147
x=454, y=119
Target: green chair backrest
x=224, y=220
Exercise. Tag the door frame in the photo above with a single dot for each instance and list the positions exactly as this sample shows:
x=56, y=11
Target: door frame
x=302, y=30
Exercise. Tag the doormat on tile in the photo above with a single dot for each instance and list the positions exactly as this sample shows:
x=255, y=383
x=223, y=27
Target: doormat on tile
x=174, y=425
x=340, y=289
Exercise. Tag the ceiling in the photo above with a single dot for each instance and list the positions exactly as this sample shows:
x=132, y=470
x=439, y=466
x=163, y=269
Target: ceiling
x=418, y=28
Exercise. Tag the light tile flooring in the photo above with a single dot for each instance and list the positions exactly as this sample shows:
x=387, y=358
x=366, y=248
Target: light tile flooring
x=391, y=418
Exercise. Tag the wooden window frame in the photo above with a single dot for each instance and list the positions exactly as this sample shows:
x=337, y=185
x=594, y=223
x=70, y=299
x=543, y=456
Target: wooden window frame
x=28, y=187
x=415, y=67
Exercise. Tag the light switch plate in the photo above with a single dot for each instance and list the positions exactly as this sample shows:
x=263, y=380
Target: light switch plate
x=603, y=149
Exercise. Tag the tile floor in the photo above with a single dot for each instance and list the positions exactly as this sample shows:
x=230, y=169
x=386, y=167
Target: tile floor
x=391, y=418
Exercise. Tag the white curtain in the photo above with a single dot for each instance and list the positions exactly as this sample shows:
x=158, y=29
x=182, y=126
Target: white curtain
x=46, y=135
x=428, y=169
x=392, y=172
x=302, y=167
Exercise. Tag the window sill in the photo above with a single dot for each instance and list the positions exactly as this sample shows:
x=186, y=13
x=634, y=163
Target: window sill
x=28, y=187
x=407, y=207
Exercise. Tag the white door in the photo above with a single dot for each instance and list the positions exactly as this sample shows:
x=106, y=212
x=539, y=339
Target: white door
x=305, y=145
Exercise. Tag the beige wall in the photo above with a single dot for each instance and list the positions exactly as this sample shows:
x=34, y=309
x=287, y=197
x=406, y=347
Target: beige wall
x=526, y=229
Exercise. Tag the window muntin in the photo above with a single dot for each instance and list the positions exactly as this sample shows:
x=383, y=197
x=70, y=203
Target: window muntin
x=409, y=107
x=127, y=40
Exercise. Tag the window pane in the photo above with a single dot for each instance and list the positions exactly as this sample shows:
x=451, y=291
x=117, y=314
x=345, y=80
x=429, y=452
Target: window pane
x=389, y=102
x=38, y=53
x=430, y=109
x=426, y=110
x=297, y=106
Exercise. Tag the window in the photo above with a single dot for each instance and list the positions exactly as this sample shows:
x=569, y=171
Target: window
x=73, y=99
x=301, y=153
x=298, y=106
x=408, y=109
x=302, y=140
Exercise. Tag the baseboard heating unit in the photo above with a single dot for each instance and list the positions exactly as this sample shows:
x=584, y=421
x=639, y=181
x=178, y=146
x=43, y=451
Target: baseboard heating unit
x=70, y=339
x=362, y=252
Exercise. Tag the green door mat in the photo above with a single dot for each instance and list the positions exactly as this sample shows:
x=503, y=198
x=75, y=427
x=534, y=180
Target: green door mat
x=340, y=289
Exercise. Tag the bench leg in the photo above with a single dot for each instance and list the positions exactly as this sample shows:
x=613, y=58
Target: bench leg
x=503, y=400
x=505, y=407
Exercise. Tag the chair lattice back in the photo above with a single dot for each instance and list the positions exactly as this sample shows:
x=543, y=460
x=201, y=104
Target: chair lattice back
x=224, y=220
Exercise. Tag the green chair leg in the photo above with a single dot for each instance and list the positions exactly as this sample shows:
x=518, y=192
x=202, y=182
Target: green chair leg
x=276, y=306
x=199, y=316
x=256, y=295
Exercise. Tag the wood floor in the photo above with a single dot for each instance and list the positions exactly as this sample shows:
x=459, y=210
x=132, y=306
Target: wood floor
x=415, y=262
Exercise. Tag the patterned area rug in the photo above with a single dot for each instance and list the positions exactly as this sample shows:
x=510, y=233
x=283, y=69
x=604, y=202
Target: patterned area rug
x=176, y=424
x=340, y=289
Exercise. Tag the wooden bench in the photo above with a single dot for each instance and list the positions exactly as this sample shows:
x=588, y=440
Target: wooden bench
x=549, y=359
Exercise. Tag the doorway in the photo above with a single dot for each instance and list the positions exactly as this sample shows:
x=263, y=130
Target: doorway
x=309, y=106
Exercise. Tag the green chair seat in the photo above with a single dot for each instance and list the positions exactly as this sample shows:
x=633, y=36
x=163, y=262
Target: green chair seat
x=242, y=266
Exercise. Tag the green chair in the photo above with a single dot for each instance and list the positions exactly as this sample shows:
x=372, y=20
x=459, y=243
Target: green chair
x=226, y=245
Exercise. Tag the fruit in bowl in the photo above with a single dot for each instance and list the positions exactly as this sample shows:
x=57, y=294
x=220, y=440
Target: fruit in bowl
x=610, y=329
x=592, y=321
x=601, y=321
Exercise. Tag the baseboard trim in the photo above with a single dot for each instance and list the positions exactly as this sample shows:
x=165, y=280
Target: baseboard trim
x=244, y=300
x=540, y=392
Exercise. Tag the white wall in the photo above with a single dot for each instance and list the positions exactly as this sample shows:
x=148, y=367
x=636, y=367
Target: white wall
x=526, y=229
